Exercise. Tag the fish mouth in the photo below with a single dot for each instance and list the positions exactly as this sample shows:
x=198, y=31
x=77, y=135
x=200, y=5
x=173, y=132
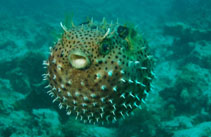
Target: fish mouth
x=78, y=59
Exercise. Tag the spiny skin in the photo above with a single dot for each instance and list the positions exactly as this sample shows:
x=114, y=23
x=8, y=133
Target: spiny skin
x=115, y=78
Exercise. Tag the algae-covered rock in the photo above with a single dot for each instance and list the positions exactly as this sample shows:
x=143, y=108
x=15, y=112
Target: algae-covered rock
x=187, y=33
x=48, y=120
x=187, y=40
x=192, y=83
x=82, y=130
x=200, y=130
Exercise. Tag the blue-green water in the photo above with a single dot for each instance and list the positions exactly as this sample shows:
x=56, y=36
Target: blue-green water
x=179, y=36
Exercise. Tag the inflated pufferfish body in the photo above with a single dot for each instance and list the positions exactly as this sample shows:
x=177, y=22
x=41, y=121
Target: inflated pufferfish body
x=99, y=72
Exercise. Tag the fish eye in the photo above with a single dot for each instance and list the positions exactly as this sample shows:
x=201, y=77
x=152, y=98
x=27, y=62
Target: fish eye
x=123, y=31
x=105, y=47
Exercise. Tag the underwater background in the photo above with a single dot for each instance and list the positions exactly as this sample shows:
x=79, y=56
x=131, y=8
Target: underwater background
x=179, y=36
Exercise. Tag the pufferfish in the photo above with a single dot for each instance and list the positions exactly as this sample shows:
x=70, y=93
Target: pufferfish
x=99, y=72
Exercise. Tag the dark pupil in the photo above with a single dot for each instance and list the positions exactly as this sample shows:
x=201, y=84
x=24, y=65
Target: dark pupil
x=123, y=31
x=105, y=47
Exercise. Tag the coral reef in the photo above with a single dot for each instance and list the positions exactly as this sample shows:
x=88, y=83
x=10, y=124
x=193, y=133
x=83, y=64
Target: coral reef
x=178, y=31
